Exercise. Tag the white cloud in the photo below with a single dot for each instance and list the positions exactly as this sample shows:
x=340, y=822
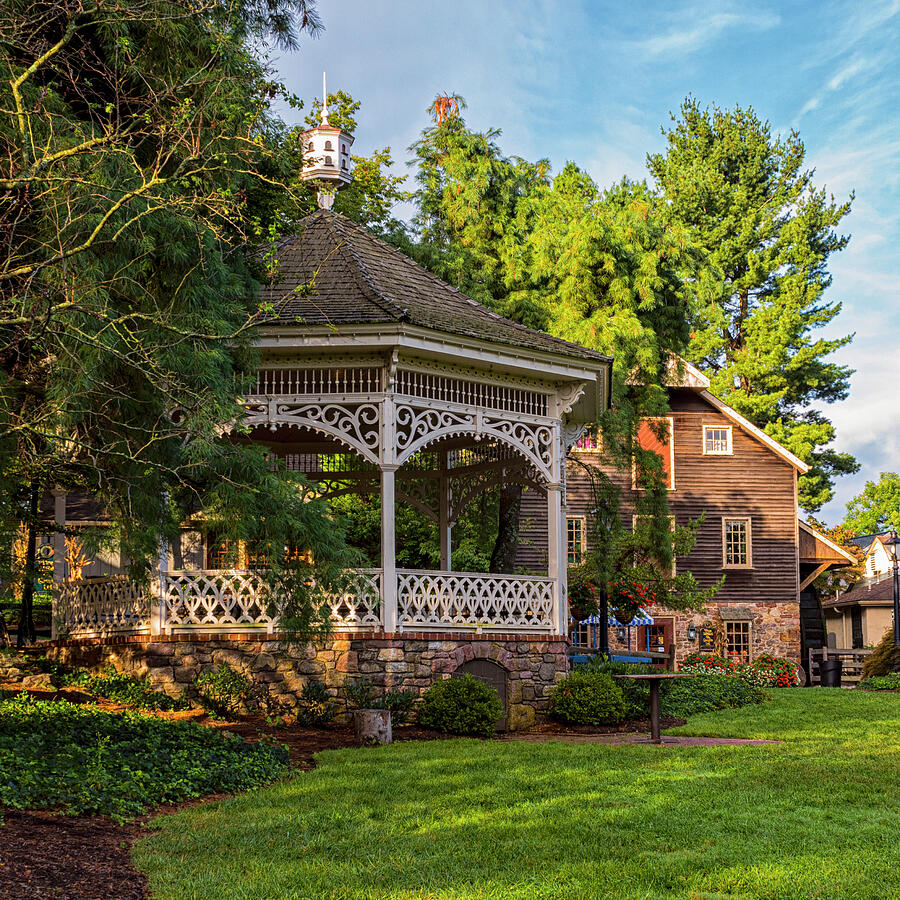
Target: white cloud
x=685, y=40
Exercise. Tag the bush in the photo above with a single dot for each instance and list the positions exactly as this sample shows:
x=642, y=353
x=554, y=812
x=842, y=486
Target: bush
x=881, y=682
x=400, y=704
x=685, y=697
x=461, y=706
x=316, y=707
x=122, y=688
x=60, y=755
x=705, y=662
x=885, y=659
x=772, y=671
x=224, y=691
x=361, y=694
x=587, y=698
x=635, y=694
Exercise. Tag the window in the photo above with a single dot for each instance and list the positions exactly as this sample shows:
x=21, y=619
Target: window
x=717, y=440
x=328, y=161
x=656, y=435
x=737, y=640
x=328, y=145
x=575, y=540
x=736, y=547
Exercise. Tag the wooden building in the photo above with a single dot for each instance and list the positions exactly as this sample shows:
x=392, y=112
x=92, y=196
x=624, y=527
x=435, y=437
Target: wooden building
x=720, y=466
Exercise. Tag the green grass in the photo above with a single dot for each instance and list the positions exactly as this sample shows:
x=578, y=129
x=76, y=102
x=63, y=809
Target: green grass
x=812, y=817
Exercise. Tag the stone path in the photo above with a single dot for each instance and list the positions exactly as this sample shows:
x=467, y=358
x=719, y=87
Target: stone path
x=619, y=739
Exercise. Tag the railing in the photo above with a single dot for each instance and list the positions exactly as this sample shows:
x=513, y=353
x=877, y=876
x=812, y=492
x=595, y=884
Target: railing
x=853, y=660
x=228, y=598
x=114, y=605
x=474, y=600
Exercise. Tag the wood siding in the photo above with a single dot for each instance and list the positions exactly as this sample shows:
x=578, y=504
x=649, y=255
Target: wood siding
x=751, y=482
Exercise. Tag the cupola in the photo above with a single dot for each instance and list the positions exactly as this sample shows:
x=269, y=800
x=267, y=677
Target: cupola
x=326, y=156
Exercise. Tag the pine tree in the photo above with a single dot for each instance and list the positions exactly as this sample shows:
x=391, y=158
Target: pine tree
x=768, y=232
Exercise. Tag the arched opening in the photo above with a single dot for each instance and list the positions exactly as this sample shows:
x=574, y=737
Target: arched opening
x=328, y=145
x=328, y=161
x=496, y=676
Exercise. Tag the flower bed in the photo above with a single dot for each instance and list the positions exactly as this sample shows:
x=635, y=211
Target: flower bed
x=766, y=670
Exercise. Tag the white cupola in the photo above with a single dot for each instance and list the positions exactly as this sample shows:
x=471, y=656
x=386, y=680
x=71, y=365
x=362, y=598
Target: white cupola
x=326, y=156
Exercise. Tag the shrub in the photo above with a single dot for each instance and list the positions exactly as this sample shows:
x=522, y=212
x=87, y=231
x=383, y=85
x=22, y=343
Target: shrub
x=772, y=671
x=60, y=755
x=881, y=682
x=635, y=694
x=587, y=698
x=885, y=659
x=360, y=693
x=316, y=707
x=686, y=697
x=703, y=662
x=400, y=704
x=461, y=706
x=224, y=691
x=122, y=688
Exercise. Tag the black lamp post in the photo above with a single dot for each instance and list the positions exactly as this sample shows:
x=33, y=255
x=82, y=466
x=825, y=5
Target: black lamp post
x=891, y=544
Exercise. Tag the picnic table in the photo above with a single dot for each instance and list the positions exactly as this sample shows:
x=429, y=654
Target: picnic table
x=655, y=678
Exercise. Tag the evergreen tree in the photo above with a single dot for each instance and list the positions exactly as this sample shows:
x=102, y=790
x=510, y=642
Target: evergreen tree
x=768, y=232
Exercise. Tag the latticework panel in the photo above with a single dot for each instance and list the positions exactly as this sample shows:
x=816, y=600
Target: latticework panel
x=112, y=606
x=476, y=393
x=441, y=600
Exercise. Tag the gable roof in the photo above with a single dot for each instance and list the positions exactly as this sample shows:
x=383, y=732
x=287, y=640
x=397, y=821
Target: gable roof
x=838, y=553
x=355, y=278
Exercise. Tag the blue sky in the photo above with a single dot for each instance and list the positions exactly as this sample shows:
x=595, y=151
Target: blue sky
x=593, y=82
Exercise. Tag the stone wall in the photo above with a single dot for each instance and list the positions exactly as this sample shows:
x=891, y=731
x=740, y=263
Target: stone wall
x=775, y=628
x=533, y=663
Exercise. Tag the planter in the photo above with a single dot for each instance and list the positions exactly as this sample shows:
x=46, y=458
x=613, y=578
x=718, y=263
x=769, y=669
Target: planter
x=373, y=725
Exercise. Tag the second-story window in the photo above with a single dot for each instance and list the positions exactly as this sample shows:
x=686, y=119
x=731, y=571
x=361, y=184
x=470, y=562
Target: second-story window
x=717, y=440
x=736, y=546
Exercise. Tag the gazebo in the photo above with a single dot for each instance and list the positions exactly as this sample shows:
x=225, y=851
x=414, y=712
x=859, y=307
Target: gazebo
x=376, y=376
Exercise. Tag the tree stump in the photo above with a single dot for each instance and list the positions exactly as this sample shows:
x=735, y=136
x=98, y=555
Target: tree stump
x=373, y=725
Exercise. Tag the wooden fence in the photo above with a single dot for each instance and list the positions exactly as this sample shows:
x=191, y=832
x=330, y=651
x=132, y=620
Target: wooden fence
x=853, y=663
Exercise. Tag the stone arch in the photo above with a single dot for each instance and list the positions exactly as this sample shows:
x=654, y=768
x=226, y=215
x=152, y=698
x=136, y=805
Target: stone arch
x=490, y=672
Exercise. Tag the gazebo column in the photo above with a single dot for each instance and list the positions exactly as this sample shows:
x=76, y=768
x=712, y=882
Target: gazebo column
x=556, y=556
x=444, y=508
x=59, y=554
x=388, y=517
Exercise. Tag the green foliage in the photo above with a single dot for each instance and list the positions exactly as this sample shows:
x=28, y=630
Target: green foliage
x=881, y=683
x=58, y=755
x=885, y=659
x=635, y=694
x=316, y=707
x=876, y=508
x=685, y=697
x=587, y=698
x=461, y=705
x=400, y=704
x=122, y=688
x=224, y=691
x=361, y=694
x=767, y=233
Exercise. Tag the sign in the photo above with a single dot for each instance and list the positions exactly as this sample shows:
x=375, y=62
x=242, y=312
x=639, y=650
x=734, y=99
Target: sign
x=706, y=637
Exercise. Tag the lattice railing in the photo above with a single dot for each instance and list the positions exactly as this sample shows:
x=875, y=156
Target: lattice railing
x=505, y=602
x=114, y=605
x=317, y=381
x=222, y=598
x=474, y=393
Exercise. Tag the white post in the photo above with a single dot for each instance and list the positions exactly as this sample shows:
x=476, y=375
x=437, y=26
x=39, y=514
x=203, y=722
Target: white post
x=446, y=528
x=388, y=521
x=158, y=608
x=59, y=556
x=556, y=556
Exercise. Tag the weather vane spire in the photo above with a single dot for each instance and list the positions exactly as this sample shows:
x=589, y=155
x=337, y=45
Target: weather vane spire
x=324, y=102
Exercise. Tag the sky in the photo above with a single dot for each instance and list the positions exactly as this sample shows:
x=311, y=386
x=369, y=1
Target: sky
x=594, y=82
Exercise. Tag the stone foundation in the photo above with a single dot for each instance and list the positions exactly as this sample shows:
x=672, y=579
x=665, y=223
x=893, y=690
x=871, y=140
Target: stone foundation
x=533, y=663
x=775, y=628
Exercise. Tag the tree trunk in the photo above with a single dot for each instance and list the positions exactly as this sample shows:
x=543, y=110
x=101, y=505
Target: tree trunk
x=26, y=633
x=503, y=556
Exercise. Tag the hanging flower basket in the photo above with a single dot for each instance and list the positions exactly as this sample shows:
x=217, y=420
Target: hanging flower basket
x=584, y=600
x=627, y=599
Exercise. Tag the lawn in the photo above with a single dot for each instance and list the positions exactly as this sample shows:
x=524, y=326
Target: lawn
x=814, y=816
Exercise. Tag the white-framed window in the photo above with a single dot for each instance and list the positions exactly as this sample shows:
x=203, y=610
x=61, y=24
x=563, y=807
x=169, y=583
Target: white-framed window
x=575, y=540
x=737, y=549
x=737, y=640
x=717, y=440
x=657, y=433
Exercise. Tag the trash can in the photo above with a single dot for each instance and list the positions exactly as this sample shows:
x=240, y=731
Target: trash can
x=830, y=672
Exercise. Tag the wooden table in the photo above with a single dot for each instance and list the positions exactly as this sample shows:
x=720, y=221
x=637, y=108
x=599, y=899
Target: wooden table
x=655, y=678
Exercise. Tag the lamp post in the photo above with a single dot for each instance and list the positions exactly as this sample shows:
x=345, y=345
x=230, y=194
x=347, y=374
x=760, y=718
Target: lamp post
x=891, y=544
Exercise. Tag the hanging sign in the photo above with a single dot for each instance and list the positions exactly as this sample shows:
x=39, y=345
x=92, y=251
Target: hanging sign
x=706, y=637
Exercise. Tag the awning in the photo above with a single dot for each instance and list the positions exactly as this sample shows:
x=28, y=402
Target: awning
x=642, y=618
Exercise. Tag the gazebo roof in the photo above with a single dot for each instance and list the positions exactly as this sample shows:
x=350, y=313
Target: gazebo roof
x=356, y=279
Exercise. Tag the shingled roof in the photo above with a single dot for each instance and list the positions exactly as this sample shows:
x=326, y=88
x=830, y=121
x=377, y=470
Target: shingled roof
x=359, y=279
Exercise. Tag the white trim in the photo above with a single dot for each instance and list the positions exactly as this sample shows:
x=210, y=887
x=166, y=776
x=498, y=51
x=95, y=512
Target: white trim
x=583, y=520
x=827, y=541
x=753, y=431
x=729, y=442
x=749, y=563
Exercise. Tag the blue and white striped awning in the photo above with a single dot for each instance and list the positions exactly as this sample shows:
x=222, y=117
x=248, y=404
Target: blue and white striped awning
x=642, y=618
